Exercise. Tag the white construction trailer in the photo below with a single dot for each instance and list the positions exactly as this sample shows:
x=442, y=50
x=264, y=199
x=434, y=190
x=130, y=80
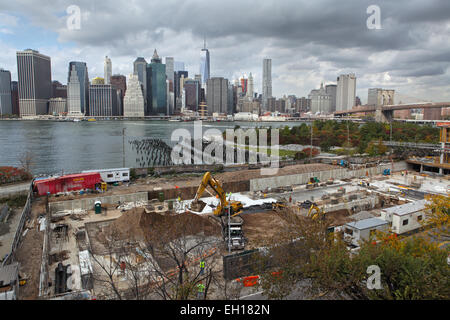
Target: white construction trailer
x=355, y=232
x=113, y=175
x=406, y=217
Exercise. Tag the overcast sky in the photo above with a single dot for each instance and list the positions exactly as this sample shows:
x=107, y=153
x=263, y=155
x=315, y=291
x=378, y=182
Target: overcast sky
x=309, y=42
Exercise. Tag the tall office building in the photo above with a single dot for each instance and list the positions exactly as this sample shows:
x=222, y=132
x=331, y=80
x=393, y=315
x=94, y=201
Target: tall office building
x=170, y=68
x=102, y=100
x=119, y=83
x=346, y=92
x=35, y=82
x=107, y=65
x=204, y=65
x=331, y=89
x=156, y=86
x=170, y=65
x=217, y=95
x=5, y=93
x=320, y=101
x=83, y=78
x=266, y=82
x=179, y=75
x=133, y=102
x=74, y=94
x=140, y=69
x=250, y=92
x=192, y=94
x=244, y=85
x=15, y=97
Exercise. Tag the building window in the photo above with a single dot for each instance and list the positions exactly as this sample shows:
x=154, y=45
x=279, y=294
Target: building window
x=405, y=222
x=110, y=175
x=349, y=231
x=419, y=218
x=124, y=174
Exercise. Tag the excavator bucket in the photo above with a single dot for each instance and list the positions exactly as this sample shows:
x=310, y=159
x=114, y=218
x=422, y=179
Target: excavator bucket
x=197, y=206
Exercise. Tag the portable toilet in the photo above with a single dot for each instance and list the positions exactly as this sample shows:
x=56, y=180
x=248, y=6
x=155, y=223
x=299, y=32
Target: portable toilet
x=98, y=207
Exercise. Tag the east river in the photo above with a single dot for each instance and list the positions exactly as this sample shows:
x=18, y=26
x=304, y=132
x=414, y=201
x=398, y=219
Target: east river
x=66, y=147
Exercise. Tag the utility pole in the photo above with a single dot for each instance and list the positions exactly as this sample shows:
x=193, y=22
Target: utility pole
x=310, y=149
x=123, y=147
x=348, y=140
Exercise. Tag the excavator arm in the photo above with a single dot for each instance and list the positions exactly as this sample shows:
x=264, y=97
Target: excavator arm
x=208, y=180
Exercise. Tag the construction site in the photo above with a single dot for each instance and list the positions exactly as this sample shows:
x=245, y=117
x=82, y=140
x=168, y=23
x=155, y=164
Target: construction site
x=96, y=243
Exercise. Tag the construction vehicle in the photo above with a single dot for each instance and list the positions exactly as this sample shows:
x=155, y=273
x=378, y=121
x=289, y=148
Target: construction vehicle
x=221, y=209
x=315, y=212
x=230, y=221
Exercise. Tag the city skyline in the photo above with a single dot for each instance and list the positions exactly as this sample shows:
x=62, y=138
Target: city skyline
x=304, y=54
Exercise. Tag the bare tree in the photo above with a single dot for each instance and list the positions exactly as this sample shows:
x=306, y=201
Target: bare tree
x=26, y=161
x=177, y=247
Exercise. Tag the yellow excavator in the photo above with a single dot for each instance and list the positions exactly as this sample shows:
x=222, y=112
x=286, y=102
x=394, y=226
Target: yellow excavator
x=208, y=180
x=315, y=212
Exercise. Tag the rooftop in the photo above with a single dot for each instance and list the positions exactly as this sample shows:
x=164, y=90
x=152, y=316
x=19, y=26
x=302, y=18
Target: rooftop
x=407, y=208
x=8, y=274
x=367, y=223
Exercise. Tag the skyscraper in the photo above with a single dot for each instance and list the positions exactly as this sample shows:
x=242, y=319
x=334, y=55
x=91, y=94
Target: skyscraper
x=177, y=87
x=133, y=102
x=192, y=94
x=170, y=85
x=35, y=82
x=5, y=92
x=156, y=86
x=217, y=95
x=73, y=94
x=250, y=86
x=83, y=79
x=346, y=92
x=331, y=89
x=320, y=100
x=204, y=65
x=15, y=97
x=266, y=81
x=140, y=69
x=119, y=83
x=108, y=70
x=102, y=100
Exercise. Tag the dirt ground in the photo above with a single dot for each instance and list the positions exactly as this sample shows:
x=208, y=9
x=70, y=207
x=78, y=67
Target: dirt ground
x=260, y=226
x=29, y=255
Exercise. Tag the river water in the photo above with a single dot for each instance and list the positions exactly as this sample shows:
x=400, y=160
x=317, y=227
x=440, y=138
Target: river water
x=66, y=147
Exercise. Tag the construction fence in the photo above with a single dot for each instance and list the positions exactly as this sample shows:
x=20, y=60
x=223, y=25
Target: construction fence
x=88, y=203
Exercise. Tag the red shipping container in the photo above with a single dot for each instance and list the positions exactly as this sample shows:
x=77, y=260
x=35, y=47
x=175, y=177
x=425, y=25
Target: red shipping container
x=67, y=183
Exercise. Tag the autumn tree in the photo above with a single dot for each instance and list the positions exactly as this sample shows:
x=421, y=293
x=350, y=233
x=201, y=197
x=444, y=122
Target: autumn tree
x=305, y=253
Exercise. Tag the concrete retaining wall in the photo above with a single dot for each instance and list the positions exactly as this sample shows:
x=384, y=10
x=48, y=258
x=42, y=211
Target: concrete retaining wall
x=284, y=181
x=88, y=203
x=189, y=192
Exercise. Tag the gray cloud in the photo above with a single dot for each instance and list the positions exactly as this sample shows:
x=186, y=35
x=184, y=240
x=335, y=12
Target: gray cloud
x=308, y=41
